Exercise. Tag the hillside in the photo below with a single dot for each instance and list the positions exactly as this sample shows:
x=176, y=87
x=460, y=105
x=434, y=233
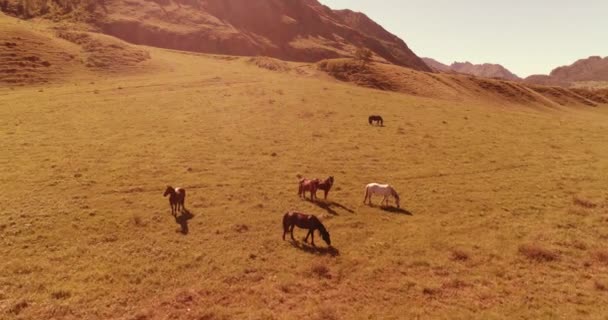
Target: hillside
x=459, y=87
x=298, y=30
x=592, y=69
x=46, y=53
x=485, y=70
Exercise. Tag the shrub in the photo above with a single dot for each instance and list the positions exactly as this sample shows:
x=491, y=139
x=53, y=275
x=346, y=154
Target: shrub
x=321, y=270
x=537, y=253
x=460, y=255
x=363, y=55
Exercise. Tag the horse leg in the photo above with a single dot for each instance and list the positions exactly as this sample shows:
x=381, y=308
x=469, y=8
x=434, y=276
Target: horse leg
x=291, y=230
x=312, y=236
x=307, y=235
x=285, y=229
x=326, y=192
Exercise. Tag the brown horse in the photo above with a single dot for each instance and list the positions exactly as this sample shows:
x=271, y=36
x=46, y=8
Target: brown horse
x=177, y=197
x=308, y=185
x=304, y=221
x=325, y=185
x=377, y=119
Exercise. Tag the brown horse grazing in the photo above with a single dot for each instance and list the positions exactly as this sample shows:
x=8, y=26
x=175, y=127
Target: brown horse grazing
x=325, y=185
x=304, y=221
x=177, y=197
x=308, y=185
x=377, y=119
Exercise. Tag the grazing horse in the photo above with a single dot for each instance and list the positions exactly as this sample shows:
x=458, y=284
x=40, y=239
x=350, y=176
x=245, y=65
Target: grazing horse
x=325, y=185
x=382, y=190
x=308, y=185
x=177, y=197
x=304, y=221
x=377, y=119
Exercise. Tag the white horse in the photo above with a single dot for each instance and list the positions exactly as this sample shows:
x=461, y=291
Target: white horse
x=381, y=190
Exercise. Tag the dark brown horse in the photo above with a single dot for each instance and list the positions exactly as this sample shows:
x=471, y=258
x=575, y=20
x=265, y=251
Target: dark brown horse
x=304, y=221
x=325, y=185
x=177, y=197
x=377, y=119
x=308, y=185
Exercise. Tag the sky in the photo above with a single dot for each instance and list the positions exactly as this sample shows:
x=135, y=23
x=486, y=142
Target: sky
x=525, y=36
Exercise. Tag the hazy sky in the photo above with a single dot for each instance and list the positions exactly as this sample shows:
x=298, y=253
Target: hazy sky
x=526, y=36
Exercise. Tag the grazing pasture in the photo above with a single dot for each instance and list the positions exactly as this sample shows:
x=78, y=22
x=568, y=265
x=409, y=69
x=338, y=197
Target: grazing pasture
x=505, y=209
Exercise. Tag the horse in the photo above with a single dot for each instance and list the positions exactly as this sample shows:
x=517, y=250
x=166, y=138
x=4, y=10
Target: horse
x=377, y=119
x=325, y=185
x=304, y=221
x=177, y=197
x=308, y=185
x=382, y=190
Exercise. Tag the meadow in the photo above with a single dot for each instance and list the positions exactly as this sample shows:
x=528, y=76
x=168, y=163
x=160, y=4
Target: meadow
x=507, y=206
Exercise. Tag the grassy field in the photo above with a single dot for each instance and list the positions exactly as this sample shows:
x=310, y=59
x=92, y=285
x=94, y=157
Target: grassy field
x=508, y=207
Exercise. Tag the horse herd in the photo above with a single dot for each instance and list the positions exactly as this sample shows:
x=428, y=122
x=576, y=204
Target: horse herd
x=177, y=198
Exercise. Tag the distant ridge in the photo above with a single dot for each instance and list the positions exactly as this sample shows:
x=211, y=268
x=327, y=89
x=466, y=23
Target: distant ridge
x=594, y=68
x=485, y=70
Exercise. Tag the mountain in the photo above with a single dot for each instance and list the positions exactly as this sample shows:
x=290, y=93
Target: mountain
x=436, y=65
x=298, y=30
x=594, y=68
x=485, y=70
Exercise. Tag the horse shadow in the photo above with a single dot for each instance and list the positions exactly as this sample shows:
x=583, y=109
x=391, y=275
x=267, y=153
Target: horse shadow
x=327, y=206
x=183, y=219
x=322, y=251
x=396, y=210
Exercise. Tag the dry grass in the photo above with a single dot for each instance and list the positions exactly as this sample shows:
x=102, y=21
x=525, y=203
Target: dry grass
x=86, y=234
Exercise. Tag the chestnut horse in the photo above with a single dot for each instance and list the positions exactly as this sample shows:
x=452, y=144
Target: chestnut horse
x=325, y=185
x=177, y=197
x=377, y=119
x=304, y=221
x=380, y=189
x=308, y=185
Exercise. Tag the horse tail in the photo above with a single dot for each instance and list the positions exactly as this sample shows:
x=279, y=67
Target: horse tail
x=286, y=224
x=366, y=193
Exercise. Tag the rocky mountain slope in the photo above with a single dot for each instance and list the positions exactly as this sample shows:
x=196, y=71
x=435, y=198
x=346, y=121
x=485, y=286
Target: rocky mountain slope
x=594, y=68
x=297, y=30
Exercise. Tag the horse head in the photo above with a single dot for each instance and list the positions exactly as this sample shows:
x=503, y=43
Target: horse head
x=396, y=197
x=325, y=236
x=168, y=191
